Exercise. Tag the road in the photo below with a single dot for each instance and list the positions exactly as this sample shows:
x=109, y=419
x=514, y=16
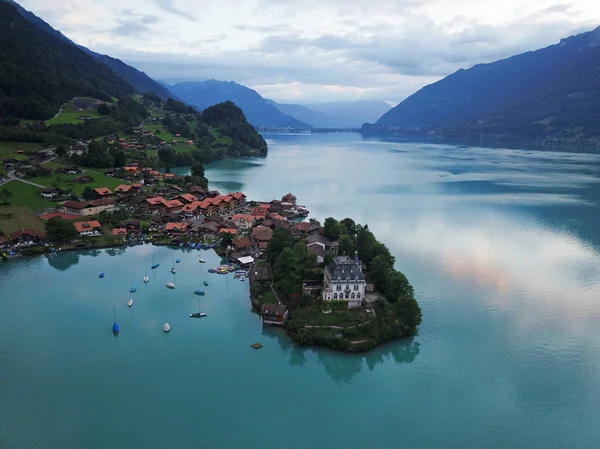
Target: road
x=12, y=177
x=59, y=111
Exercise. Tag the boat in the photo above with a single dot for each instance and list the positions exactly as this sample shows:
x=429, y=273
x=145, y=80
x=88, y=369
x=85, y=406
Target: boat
x=199, y=292
x=173, y=270
x=212, y=270
x=177, y=261
x=166, y=328
x=115, y=326
x=101, y=275
x=197, y=315
x=202, y=261
x=154, y=264
x=242, y=278
x=130, y=302
x=170, y=285
x=132, y=290
x=206, y=283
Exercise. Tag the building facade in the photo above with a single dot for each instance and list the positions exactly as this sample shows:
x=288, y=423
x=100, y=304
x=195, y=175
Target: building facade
x=344, y=280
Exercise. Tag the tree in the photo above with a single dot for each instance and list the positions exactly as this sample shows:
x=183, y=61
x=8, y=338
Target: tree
x=314, y=221
x=347, y=245
x=331, y=228
x=88, y=193
x=287, y=272
x=350, y=226
x=60, y=230
x=282, y=238
x=198, y=170
x=378, y=272
x=6, y=193
x=61, y=150
x=167, y=157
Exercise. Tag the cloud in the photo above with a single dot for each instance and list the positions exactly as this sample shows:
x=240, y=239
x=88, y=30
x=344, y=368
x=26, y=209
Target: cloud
x=312, y=50
x=169, y=6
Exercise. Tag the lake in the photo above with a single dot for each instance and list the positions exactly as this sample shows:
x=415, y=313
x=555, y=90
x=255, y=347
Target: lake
x=502, y=247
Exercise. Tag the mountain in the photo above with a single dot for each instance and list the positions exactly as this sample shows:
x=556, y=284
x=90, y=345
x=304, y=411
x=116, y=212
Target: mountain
x=309, y=116
x=352, y=114
x=39, y=71
x=139, y=80
x=257, y=110
x=546, y=95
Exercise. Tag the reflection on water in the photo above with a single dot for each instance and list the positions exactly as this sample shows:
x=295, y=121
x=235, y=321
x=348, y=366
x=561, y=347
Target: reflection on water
x=342, y=368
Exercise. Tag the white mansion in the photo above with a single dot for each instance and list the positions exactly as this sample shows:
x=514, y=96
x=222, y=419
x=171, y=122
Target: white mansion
x=345, y=281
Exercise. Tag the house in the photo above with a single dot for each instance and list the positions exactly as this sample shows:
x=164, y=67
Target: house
x=187, y=198
x=274, y=314
x=103, y=192
x=242, y=243
x=192, y=210
x=212, y=193
x=88, y=228
x=131, y=225
x=93, y=207
x=124, y=188
x=84, y=179
x=262, y=234
x=318, y=239
x=119, y=232
x=344, y=280
x=176, y=228
x=198, y=192
x=289, y=198
x=207, y=228
x=318, y=250
x=49, y=192
x=228, y=231
x=26, y=235
x=239, y=197
x=243, y=221
x=4, y=243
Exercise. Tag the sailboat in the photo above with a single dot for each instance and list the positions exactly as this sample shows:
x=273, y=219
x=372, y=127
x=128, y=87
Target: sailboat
x=130, y=302
x=115, y=326
x=154, y=264
x=146, y=278
x=198, y=314
x=177, y=261
x=166, y=326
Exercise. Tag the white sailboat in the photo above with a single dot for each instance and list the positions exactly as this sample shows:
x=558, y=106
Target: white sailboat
x=166, y=326
x=170, y=285
x=146, y=278
x=198, y=314
x=130, y=302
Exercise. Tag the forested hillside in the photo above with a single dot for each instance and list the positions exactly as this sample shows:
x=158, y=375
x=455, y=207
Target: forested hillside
x=39, y=72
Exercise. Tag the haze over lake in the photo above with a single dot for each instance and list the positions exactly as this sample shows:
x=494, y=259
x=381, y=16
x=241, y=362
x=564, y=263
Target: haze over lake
x=503, y=250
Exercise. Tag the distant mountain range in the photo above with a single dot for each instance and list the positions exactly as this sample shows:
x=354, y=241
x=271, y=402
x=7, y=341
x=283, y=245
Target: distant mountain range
x=258, y=111
x=139, y=80
x=546, y=95
x=263, y=112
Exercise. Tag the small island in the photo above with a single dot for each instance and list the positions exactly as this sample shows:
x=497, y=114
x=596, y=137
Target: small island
x=333, y=285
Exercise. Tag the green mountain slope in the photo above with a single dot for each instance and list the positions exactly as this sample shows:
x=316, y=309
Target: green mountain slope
x=139, y=80
x=546, y=95
x=39, y=72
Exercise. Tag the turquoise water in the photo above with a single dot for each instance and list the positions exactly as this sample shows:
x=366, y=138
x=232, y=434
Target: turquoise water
x=503, y=249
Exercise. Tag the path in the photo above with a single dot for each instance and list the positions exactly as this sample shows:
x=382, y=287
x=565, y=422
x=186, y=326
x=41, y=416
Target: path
x=12, y=177
x=59, y=112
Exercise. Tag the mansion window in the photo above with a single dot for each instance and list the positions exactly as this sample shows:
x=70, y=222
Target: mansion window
x=352, y=295
x=358, y=295
x=338, y=288
x=356, y=287
x=335, y=296
x=347, y=295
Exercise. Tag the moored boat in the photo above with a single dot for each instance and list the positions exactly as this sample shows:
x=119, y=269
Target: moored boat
x=130, y=302
x=199, y=292
x=170, y=285
x=166, y=328
x=205, y=283
x=202, y=261
x=132, y=290
x=101, y=275
x=197, y=315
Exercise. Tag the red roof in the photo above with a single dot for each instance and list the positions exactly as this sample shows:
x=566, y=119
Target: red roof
x=28, y=232
x=303, y=226
x=83, y=226
x=242, y=242
x=76, y=204
x=238, y=195
x=102, y=202
x=191, y=207
x=204, y=204
x=172, y=203
x=248, y=218
x=103, y=191
x=132, y=169
x=119, y=231
x=228, y=231
x=62, y=215
x=155, y=201
x=169, y=175
x=263, y=233
x=176, y=226
x=188, y=197
x=123, y=188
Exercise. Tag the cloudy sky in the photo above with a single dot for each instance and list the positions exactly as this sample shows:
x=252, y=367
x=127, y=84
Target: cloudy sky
x=307, y=50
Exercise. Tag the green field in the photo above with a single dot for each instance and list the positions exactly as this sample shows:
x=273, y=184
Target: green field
x=159, y=130
x=100, y=179
x=21, y=194
x=183, y=147
x=73, y=117
x=8, y=150
x=15, y=218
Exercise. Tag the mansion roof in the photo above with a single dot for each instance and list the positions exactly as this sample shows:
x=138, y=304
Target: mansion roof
x=345, y=268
